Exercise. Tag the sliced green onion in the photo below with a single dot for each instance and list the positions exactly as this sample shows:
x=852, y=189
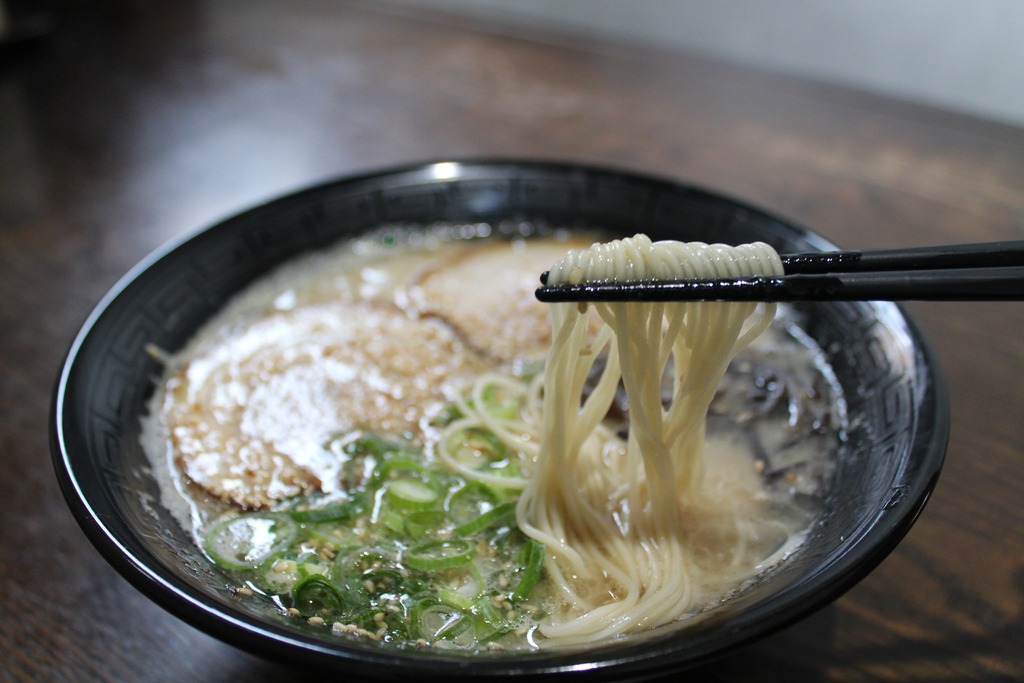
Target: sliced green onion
x=496, y=515
x=466, y=579
x=388, y=470
x=334, y=512
x=533, y=554
x=454, y=629
x=411, y=494
x=431, y=620
x=392, y=518
x=349, y=569
x=348, y=551
x=418, y=525
x=362, y=456
x=279, y=573
x=494, y=623
x=472, y=581
x=486, y=610
x=246, y=541
x=311, y=566
x=316, y=595
x=507, y=536
x=327, y=535
x=362, y=559
x=475, y=446
x=453, y=598
x=471, y=501
x=384, y=580
x=439, y=554
x=373, y=444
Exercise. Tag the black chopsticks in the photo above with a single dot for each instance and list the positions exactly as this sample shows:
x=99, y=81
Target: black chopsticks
x=987, y=271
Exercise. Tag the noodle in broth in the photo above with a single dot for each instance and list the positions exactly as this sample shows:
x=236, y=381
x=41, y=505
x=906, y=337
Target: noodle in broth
x=618, y=518
x=590, y=514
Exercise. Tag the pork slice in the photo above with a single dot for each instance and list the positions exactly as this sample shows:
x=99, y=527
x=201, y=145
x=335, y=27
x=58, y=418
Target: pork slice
x=486, y=294
x=249, y=413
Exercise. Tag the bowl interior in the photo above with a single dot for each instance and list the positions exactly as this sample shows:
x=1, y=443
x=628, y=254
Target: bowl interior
x=888, y=465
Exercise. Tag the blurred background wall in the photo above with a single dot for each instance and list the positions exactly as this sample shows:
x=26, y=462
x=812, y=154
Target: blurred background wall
x=965, y=55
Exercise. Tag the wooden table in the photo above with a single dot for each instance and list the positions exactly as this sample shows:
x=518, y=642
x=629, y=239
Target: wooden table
x=136, y=122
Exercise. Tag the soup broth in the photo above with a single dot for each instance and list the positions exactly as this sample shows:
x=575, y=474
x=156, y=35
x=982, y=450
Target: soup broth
x=348, y=440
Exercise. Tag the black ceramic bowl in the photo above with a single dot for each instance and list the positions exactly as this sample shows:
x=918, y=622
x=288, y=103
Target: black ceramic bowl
x=897, y=407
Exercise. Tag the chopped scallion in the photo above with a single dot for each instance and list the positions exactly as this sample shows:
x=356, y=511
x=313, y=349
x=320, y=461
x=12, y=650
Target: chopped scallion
x=333, y=512
x=432, y=619
x=244, y=542
x=420, y=524
x=453, y=598
x=496, y=515
x=439, y=554
x=471, y=501
x=533, y=554
x=316, y=595
x=476, y=446
x=411, y=494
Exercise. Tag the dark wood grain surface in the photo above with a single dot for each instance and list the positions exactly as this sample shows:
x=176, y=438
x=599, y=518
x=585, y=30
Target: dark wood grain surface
x=135, y=122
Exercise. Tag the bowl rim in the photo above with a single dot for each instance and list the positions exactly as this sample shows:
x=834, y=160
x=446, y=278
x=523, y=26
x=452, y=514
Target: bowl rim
x=910, y=494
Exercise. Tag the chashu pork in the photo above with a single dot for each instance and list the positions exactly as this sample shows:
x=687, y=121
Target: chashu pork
x=486, y=293
x=248, y=415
